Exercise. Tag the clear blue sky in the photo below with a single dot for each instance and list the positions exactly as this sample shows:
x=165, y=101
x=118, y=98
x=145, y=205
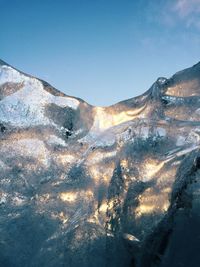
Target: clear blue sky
x=102, y=51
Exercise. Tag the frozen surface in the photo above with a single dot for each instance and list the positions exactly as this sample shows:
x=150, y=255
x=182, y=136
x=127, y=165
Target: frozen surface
x=26, y=107
x=89, y=186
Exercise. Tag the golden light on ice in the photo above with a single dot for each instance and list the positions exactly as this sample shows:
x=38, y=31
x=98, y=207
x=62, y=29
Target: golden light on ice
x=152, y=167
x=88, y=194
x=63, y=217
x=124, y=163
x=68, y=196
x=101, y=173
x=105, y=119
x=144, y=209
x=103, y=208
x=181, y=89
x=73, y=196
x=152, y=202
x=65, y=158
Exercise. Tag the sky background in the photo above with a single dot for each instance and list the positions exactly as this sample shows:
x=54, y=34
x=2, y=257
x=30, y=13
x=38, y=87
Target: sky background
x=102, y=51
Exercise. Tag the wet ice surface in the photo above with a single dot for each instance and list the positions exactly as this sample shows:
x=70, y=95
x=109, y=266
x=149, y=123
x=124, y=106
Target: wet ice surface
x=91, y=186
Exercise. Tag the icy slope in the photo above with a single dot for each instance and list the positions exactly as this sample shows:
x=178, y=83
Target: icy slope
x=99, y=186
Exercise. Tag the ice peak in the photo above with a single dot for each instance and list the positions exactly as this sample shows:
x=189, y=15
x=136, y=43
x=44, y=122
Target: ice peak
x=2, y=63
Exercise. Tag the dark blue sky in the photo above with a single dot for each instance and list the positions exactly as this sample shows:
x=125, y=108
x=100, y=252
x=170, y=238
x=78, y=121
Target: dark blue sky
x=102, y=51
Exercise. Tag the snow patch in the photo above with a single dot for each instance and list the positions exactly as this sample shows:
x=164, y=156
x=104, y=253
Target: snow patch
x=105, y=141
x=54, y=140
x=8, y=74
x=27, y=147
x=26, y=107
